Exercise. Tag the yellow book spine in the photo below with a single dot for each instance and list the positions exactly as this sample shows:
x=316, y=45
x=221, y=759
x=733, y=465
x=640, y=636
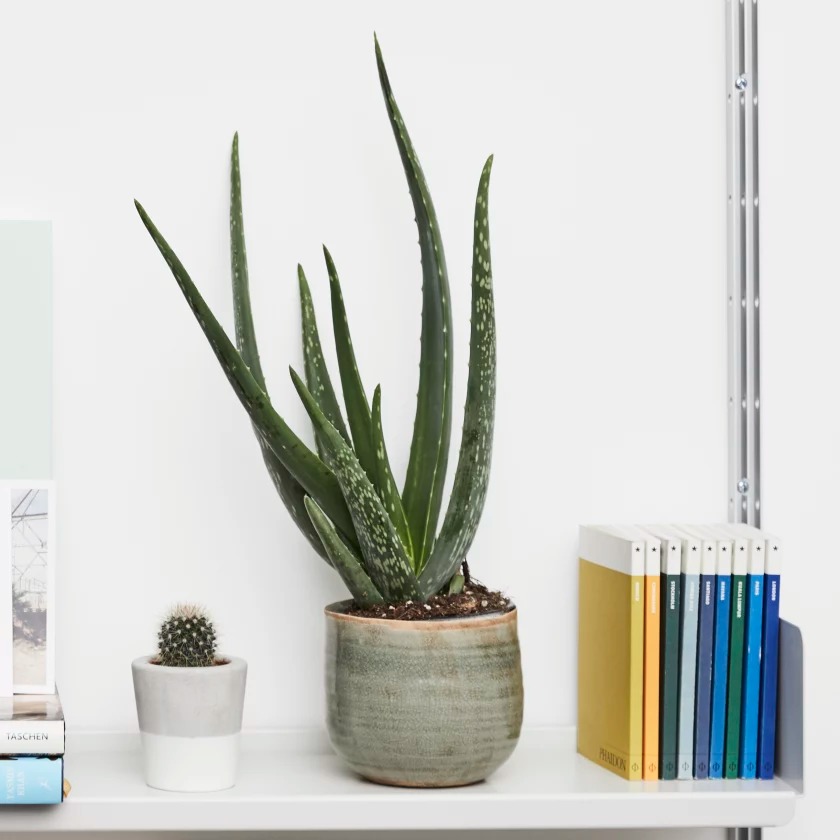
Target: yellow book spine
x=637, y=670
x=650, y=748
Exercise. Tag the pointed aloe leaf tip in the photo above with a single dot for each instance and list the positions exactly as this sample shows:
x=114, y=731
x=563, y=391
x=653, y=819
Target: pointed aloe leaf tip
x=330, y=262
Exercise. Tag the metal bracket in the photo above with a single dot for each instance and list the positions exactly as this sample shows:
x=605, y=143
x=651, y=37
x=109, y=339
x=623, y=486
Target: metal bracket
x=790, y=732
x=744, y=397
x=744, y=834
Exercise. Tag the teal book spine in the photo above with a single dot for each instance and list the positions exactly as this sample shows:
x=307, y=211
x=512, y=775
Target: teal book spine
x=736, y=674
x=669, y=682
x=31, y=780
x=748, y=759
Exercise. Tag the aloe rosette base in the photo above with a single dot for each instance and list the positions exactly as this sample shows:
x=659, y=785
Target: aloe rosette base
x=383, y=542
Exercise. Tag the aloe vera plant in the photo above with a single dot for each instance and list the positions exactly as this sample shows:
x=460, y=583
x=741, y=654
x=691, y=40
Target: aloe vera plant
x=385, y=544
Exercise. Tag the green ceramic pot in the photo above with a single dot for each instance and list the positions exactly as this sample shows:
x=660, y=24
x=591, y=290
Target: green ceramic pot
x=423, y=703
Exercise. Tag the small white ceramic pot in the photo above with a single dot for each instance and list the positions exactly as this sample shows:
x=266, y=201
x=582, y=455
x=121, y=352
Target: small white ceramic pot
x=190, y=720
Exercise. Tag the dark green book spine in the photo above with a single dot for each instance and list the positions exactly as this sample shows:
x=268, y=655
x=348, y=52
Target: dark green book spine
x=669, y=661
x=736, y=673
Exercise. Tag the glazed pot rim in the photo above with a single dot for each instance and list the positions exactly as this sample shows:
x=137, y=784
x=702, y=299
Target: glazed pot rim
x=229, y=663
x=337, y=611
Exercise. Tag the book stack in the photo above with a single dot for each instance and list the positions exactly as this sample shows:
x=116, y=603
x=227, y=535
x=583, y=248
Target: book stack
x=678, y=650
x=31, y=750
x=31, y=718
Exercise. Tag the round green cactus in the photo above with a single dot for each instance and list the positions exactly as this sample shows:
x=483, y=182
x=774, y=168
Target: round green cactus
x=187, y=638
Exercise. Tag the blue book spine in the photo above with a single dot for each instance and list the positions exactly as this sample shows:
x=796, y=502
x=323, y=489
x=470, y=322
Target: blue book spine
x=31, y=780
x=752, y=678
x=720, y=669
x=769, y=679
x=703, y=691
x=690, y=584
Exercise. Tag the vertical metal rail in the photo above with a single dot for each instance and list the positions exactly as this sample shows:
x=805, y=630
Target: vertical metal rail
x=744, y=362
x=744, y=397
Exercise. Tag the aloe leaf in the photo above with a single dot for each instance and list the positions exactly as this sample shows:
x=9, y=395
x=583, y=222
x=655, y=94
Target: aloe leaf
x=385, y=558
x=246, y=339
x=303, y=464
x=456, y=584
x=317, y=376
x=292, y=495
x=355, y=401
x=345, y=562
x=469, y=488
x=385, y=483
x=423, y=490
x=290, y=492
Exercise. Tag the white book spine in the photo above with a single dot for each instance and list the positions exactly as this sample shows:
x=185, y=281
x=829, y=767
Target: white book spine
x=31, y=737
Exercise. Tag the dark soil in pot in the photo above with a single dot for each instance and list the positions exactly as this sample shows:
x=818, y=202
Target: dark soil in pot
x=474, y=599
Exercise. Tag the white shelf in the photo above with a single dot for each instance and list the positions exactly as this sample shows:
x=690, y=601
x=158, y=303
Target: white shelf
x=292, y=781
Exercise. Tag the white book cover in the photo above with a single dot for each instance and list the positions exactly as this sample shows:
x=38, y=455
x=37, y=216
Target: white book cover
x=638, y=535
x=30, y=508
x=603, y=545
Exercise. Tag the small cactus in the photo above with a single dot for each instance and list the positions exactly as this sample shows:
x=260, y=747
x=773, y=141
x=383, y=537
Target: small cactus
x=187, y=638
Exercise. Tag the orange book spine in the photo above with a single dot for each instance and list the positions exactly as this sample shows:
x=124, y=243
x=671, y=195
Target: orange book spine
x=650, y=730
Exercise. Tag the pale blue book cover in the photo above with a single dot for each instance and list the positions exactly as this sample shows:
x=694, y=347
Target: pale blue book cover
x=690, y=584
x=31, y=780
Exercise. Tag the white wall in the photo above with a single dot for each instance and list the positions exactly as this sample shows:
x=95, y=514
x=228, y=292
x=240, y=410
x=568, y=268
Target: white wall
x=607, y=214
x=800, y=179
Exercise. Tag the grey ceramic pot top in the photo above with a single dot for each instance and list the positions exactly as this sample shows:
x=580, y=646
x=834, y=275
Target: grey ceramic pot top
x=189, y=702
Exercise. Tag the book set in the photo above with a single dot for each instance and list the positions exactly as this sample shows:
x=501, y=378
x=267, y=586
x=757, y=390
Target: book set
x=31, y=717
x=678, y=650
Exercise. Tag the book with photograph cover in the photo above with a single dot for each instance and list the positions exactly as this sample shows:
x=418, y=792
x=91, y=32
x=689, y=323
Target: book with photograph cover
x=28, y=554
x=31, y=724
x=5, y=613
